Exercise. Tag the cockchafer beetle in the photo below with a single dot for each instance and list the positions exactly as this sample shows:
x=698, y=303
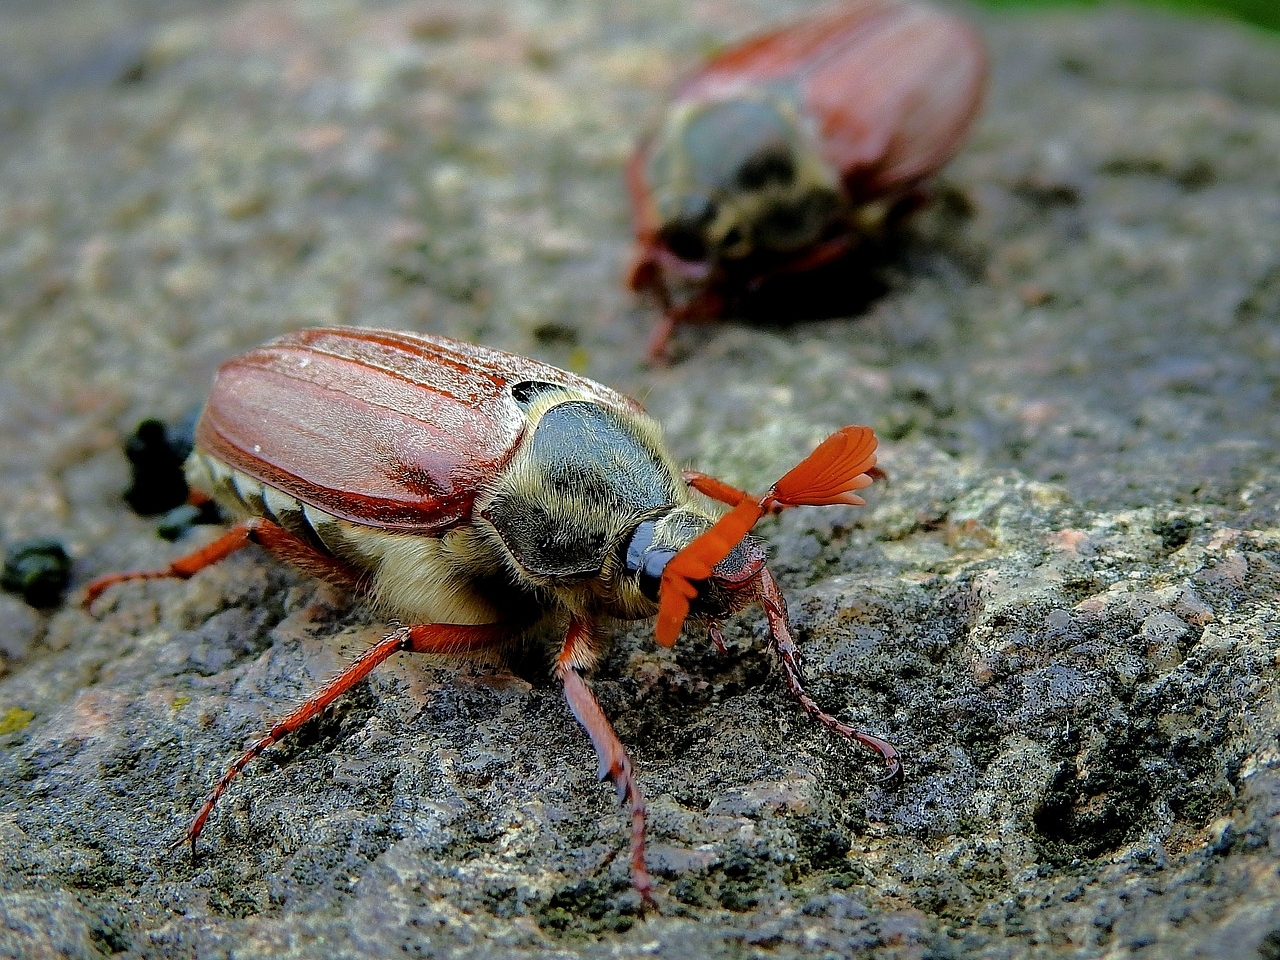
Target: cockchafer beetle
x=785, y=152
x=472, y=494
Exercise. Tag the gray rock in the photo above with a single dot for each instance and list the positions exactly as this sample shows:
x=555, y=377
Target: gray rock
x=1061, y=606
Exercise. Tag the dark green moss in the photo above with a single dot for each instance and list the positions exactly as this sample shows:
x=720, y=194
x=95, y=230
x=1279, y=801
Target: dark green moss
x=1097, y=802
x=591, y=906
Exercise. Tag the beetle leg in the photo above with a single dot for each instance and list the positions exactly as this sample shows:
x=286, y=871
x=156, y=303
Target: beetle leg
x=775, y=609
x=298, y=552
x=271, y=536
x=713, y=631
x=578, y=654
x=642, y=274
x=182, y=568
x=704, y=306
x=420, y=638
x=651, y=273
x=824, y=253
x=660, y=340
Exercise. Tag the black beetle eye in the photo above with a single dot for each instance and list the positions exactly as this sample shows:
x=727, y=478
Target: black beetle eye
x=684, y=242
x=772, y=165
x=685, y=234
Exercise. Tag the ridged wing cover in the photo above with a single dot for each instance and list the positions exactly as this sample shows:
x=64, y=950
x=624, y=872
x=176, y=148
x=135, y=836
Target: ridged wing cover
x=389, y=429
x=894, y=86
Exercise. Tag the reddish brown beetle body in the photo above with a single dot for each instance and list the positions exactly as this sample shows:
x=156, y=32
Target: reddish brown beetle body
x=782, y=153
x=473, y=494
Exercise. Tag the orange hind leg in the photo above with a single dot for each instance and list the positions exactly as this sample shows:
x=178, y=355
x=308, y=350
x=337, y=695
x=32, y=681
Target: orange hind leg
x=271, y=536
x=420, y=638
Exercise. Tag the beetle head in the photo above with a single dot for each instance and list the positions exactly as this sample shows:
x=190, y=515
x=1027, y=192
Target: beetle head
x=830, y=475
x=738, y=175
x=727, y=586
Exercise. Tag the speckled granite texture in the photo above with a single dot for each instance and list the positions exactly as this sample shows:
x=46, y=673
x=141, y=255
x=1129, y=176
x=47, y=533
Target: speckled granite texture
x=1061, y=606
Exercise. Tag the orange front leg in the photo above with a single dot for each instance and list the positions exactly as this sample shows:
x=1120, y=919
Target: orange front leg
x=775, y=609
x=578, y=654
x=659, y=349
x=421, y=638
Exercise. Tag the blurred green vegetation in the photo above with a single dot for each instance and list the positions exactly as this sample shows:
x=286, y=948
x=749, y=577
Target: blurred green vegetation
x=1264, y=13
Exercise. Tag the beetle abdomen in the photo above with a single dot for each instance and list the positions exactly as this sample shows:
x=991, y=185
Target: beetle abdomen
x=246, y=496
x=452, y=578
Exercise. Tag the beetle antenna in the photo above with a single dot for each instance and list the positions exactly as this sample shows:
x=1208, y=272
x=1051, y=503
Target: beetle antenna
x=829, y=475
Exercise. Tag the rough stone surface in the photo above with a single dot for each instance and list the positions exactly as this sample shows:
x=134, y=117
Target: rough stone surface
x=1061, y=606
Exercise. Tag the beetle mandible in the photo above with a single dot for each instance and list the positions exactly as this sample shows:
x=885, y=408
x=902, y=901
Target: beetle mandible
x=472, y=494
x=785, y=151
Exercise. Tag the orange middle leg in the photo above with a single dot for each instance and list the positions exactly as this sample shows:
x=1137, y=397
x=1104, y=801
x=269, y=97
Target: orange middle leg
x=576, y=655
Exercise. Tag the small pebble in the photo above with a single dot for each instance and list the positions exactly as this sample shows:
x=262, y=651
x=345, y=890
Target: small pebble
x=156, y=454
x=38, y=571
